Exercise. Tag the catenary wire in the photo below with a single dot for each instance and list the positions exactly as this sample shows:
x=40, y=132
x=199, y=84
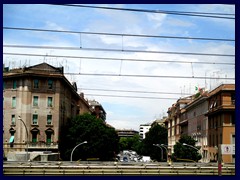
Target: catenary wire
x=118, y=34
x=129, y=91
x=114, y=50
x=142, y=97
x=150, y=76
x=197, y=14
x=117, y=59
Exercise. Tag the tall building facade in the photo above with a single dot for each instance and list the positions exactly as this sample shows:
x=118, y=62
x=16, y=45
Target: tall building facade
x=173, y=121
x=208, y=118
x=221, y=120
x=195, y=124
x=37, y=101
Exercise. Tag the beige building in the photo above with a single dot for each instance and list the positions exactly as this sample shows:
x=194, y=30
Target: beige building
x=194, y=123
x=221, y=120
x=173, y=121
x=208, y=118
x=42, y=99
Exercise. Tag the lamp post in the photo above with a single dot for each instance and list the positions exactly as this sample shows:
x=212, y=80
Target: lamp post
x=75, y=148
x=160, y=148
x=165, y=147
x=190, y=146
x=19, y=118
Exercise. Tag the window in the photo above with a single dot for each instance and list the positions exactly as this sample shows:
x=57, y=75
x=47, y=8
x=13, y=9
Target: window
x=35, y=100
x=50, y=84
x=210, y=140
x=14, y=84
x=14, y=102
x=13, y=119
x=233, y=139
x=233, y=99
x=233, y=119
x=49, y=138
x=35, y=119
x=49, y=119
x=34, y=137
x=36, y=83
x=220, y=138
x=50, y=102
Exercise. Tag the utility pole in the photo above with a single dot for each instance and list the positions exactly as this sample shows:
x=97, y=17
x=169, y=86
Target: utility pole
x=219, y=160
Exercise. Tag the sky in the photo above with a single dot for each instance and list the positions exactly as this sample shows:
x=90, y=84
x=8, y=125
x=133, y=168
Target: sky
x=150, y=97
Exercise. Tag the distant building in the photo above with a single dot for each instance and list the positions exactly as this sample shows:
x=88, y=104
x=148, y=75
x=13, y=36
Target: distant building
x=126, y=132
x=160, y=122
x=44, y=99
x=144, y=128
x=97, y=110
x=172, y=122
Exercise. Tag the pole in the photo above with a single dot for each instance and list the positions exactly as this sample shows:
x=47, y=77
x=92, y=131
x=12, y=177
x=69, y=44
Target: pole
x=166, y=151
x=19, y=118
x=219, y=160
x=75, y=148
x=161, y=150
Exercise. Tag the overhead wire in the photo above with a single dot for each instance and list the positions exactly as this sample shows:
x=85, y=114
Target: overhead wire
x=142, y=97
x=149, y=76
x=116, y=59
x=130, y=91
x=114, y=50
x=183, y=13
x=117, y=34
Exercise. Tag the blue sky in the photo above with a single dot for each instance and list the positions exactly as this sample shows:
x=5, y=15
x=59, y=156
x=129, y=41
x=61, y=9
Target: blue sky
x=126, y=113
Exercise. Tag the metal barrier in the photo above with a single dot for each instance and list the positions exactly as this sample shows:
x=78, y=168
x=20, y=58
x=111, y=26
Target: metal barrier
x=80, y=169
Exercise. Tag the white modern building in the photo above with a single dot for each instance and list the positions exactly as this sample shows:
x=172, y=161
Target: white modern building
x=144, y=128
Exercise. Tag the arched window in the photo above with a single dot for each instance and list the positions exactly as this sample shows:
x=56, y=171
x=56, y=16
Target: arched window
x=35, y=133
x=49, y=132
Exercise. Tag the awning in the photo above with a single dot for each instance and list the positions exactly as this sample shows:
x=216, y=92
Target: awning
x=11, y=139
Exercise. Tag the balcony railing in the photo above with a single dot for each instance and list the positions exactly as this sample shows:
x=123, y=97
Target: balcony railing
x=43, y=145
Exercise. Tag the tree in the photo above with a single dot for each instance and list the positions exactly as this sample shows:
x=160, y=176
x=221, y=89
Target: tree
x=129, y=143
x=156, y=135
x=102, y=140
x=185, y=153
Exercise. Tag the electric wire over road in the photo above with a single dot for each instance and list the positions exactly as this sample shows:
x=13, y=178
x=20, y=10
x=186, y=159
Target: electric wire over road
x=182, y=13
x=116, y=59
x=118, y=34
x=114, y=50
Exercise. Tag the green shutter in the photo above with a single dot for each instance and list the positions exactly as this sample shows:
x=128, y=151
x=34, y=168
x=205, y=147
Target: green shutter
x=11, y=139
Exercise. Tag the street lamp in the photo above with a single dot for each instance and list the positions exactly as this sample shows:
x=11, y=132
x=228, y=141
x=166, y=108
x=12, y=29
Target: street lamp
x=190, y=146
x=160, y=148
x=19, y=118
x=165, y=147
x=75, y=148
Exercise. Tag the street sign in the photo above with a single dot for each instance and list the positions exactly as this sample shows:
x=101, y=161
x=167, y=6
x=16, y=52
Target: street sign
x=228, y=148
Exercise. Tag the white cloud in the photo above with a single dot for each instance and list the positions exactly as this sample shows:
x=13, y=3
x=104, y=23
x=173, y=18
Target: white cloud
x=157, y=19
x=179, y=23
